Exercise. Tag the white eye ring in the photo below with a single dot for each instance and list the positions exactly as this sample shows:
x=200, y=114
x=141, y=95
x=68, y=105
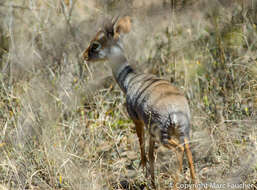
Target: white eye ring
x=96, y=46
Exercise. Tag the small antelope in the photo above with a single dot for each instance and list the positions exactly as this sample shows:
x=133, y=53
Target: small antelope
x=150, y=101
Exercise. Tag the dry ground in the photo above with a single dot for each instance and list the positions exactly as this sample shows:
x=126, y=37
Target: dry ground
x=63, y=124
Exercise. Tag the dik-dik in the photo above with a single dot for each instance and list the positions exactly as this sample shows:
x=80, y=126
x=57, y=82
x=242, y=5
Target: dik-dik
x=152, y=103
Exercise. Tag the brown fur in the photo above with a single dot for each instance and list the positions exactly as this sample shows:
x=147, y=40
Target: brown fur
x=151, y=102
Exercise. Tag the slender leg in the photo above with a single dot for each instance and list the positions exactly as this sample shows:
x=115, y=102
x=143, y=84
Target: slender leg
x=190, y=160
x=180, y=152
x=180, y=155
x=141, y=137
x=151, y=159
x=172, y=144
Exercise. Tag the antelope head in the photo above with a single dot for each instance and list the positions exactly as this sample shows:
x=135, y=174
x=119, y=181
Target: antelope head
x=107, y=42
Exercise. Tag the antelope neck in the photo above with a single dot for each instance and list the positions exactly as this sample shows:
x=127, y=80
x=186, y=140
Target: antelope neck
x=122, y=71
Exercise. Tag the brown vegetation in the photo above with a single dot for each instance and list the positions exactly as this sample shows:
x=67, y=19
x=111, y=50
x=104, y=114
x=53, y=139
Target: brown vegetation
x=63, y=124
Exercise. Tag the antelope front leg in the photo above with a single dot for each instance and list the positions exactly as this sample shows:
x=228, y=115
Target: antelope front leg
x=151, y=160
x=141, y=137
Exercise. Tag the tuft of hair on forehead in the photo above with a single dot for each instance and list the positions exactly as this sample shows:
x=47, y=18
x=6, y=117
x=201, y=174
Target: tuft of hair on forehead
x=108, y=26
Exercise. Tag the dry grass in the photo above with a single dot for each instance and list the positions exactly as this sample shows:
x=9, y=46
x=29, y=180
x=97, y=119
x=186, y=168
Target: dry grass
x=63, y=124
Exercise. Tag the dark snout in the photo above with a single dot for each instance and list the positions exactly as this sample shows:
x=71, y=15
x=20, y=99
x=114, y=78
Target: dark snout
x=85, y=55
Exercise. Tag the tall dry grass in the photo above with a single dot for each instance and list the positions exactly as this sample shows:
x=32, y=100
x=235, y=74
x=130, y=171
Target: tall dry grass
x=62, y=122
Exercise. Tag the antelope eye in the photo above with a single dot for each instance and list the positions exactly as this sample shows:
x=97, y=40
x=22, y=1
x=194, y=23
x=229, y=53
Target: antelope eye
x=95, y=46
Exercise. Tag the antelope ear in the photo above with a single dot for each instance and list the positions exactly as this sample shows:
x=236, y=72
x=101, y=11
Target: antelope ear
x=122, y=26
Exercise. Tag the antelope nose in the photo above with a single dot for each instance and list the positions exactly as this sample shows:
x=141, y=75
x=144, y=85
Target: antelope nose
x=85, y=55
